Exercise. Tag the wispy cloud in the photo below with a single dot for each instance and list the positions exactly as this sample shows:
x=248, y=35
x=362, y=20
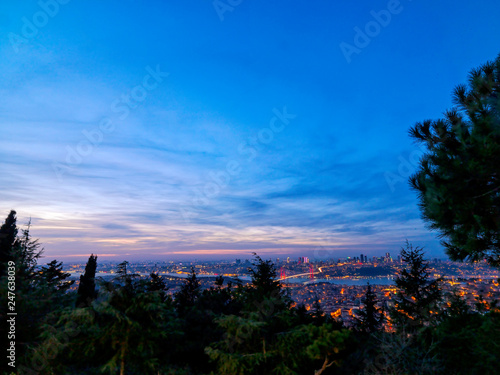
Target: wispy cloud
x=318, y=181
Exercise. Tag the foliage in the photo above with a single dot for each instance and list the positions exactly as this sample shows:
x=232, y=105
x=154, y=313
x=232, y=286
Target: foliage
x=322, y=349
x=271, y=337
x=54, y=277
x=38, y=291
x=86, y=288
x=468, y=343
x=126, y=330
x=417, y=302
x=370, y=318
x=264, y=276
x=402, y=354
x=8, y=237
x=458, y=181
x=189, y=292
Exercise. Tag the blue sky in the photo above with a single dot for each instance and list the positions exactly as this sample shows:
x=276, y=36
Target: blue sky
x=210, y=129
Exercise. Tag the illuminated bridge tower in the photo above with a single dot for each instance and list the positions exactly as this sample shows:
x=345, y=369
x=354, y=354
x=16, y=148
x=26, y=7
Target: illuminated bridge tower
x=282, y=274
x=311, y=271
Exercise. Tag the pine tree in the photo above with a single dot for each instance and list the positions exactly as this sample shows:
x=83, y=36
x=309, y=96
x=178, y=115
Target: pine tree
x=86, y=288
x=264, y=280
x=189, y=293
x=296, y=349
x=27, y=251
x=54, y=277
x=417, y=302
x=458, y=180
x=467, y=342
x=156, y=284
x=370, y=318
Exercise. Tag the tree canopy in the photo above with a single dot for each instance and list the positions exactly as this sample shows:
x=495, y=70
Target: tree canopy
x=370, y=318
x=418, y=296
x=458, y=180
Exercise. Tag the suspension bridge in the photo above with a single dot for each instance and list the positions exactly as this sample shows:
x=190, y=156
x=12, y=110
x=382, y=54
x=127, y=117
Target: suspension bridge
x=310, y=274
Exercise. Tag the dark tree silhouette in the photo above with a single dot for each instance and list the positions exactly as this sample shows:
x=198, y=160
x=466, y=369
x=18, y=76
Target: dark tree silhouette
x=317, y=313
x=122, y=270
x=54, y=276
x=264, y=280
x=189, y=292
x=458, y=180
x=370, y=318
x=86, y=288
x=417, y=301
x=8, y=236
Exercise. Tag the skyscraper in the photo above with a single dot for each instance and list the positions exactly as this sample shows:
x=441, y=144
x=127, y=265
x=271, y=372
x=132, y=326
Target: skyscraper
x=361, y=258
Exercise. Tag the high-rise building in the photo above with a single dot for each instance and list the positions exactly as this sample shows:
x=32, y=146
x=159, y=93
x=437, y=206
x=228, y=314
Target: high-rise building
x=303, y=260
x=366, y=259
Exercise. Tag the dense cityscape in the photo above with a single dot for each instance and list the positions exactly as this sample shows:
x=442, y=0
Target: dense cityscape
x=337, y=285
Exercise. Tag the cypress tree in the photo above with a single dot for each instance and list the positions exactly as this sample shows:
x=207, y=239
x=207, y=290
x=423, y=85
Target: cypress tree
x=86, y=289
x=8, y=236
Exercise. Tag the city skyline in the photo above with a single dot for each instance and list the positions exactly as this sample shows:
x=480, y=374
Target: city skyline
x=182, y=130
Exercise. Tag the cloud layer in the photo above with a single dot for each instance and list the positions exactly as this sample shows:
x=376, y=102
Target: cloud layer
x=158, y=131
